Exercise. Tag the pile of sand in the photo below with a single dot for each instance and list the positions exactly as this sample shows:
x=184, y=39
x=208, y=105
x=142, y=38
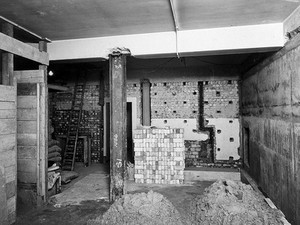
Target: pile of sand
x=142, y=208
x=229, y=202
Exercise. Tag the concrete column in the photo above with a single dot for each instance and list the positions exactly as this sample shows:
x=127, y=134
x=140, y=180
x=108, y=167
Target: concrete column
x=118, y=142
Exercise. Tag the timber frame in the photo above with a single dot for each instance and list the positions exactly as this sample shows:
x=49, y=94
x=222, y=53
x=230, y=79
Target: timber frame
x=35, y=173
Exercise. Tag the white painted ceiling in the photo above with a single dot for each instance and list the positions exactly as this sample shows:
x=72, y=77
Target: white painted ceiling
x=71, y=19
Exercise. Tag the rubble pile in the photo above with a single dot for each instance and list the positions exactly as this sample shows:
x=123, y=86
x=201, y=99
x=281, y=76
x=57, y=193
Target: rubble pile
x=229, y=202
x=140, y=209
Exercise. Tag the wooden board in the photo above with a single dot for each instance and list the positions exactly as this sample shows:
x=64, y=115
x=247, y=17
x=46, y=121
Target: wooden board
x=7, y=114
x=27, y=127
x=26, y=114
x=7, y=142
x=26, y=139
x=7, y=93
x=19, y=48
x=26, y=102
x=26, y=152
x=27, y=165
x=29, y=76
x=7, y=105
x=7, y=126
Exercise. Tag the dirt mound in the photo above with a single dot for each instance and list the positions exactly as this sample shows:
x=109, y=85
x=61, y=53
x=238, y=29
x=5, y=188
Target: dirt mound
x=143, y=208
x=229, y=202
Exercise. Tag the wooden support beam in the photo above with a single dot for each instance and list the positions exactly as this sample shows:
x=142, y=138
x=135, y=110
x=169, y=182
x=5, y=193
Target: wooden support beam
x=58, y=88
x=7, y=58
x=42, y=185
x=30, y=76
x=118, y=145
x=146, y=106
x=19, y=48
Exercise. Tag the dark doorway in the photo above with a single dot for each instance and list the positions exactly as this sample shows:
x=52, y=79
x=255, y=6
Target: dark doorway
x=130, y=152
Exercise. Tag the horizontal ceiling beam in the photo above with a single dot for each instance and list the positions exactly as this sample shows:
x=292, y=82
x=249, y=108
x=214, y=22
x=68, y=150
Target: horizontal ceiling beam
x=226, y=40
x=16, y=47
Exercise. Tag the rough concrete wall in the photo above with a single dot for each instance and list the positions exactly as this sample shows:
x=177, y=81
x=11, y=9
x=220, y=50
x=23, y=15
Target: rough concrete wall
x=271, y=111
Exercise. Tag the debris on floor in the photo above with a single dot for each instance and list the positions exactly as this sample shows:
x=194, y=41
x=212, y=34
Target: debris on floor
x=142, y=208
x=229, y=202
x=67, y=176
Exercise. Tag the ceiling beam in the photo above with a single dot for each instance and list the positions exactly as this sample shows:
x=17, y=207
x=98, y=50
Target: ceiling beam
x=16, y=47
x=226, y=40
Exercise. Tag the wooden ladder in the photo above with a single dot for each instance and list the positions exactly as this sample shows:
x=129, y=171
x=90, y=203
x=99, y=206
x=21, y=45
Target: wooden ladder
x=74, y=123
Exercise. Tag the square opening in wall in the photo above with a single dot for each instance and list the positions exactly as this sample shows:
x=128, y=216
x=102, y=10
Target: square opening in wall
x=218, y=94
x=165, y=121
x=230, y=121
x=206, y=82
x=231, y=139
x=218, y=111
x=184, y=102
x=206, y=102
x=229, y=82
x=219, y=131
x=230, y=102
x=246, y=146
x=184, y=83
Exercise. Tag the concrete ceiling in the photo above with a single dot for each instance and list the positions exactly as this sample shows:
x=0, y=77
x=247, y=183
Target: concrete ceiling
x=72, y=19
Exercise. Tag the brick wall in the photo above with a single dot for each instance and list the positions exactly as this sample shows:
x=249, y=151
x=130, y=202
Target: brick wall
x=91, y=123
x=159, y=156
x=174, y=100
x=221, y=99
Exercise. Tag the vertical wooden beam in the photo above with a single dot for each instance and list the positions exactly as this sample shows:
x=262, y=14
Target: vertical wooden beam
x=146, y=105
x=118, y=137
x=42, y=162
x=7, y=58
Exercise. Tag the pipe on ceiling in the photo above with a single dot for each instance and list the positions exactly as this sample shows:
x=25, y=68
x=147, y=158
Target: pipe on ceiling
x=174, y=16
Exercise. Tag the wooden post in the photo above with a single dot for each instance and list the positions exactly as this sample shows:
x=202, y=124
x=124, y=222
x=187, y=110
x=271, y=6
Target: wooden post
x=146, y=106
x=42, y=185
x=7, y=58
x=118, y=145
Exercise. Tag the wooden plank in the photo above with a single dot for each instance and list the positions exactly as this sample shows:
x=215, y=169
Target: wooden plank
x=118, y=135
x=26, y=102
x=26, y=139
x=8, y=158
x=43, y=138
x=7, y=114
x=25, y=89
x=27, y=114
x=3, y=205
x=27, y=165
x=26, y=152
x=29, y=76
x=7, y=58
x=27, y=127
x=7, y=142
x=19, y=48
x=58, y=88
x=8, y=126
x=7, y=93
x=26, y=177
x=7, y=105
x=11, y=173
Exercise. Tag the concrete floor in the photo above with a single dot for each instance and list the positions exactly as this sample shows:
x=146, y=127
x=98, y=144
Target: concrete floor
x=87, y=197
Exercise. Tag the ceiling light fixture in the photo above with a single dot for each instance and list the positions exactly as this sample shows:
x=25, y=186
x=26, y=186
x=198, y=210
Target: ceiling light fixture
x=50, y=73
